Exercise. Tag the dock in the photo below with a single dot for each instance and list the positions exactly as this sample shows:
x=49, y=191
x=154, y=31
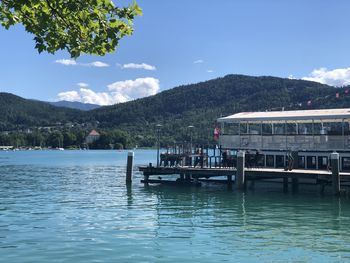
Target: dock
x=241, y=176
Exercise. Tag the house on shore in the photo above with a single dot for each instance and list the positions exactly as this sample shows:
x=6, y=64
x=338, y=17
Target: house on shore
x=92, y=137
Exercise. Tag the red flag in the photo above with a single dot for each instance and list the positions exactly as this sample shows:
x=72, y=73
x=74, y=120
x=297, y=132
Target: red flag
x=337, y=95
x=216, y=133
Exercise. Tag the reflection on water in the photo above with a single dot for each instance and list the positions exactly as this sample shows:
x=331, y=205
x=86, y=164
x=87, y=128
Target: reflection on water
x=79, y=209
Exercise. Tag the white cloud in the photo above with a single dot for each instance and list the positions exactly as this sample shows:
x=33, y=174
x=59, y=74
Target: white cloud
x=210, y=71
x=335, y=77
x=87, y=96
x=198, y=61
x=134, y=89
x=120, y=91
x=72, y=62
x=69, y=96
x=138, y=66
x=66, y=62
x=97, y=64
x=83, y=85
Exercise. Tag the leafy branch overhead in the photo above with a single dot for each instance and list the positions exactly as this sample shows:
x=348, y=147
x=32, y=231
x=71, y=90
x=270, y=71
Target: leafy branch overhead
x=79, y=26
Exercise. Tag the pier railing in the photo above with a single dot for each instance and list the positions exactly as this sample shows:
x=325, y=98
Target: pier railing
x=278, y=142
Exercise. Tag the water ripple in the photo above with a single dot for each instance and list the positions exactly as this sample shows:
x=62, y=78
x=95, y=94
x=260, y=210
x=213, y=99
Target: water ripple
x=86, y=213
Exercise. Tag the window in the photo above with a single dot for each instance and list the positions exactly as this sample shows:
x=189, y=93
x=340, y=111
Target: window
x=270, y=161
x=346, y=163
x=261, y=160
x=322, y=162
x=311, y=162
x=280, y=161
x=301, y=162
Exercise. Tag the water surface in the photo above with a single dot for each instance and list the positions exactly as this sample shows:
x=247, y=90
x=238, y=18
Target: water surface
x=73, y=206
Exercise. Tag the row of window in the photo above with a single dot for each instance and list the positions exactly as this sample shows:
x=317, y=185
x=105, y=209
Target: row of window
x=304, y=162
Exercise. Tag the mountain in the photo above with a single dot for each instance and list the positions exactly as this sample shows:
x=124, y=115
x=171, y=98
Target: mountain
x=18, y=113
x=75, y=105
x=196, y=104
x=202, y=103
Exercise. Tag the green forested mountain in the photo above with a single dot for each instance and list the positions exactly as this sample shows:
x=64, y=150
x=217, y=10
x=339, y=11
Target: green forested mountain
x=196, y=104
x=19, y=113
x=75, y=105
x=202, y=103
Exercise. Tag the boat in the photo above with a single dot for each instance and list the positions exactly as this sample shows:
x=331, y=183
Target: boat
x=305, y=137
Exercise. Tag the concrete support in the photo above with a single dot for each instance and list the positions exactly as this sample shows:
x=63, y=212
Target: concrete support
x=240, y=180
x=295, y=185
x=229, y=181
x=335, y=173
x=252, y=185
x=182, y=177
x=285, y=184
x=145, y=179
x=129, y=166
x=322, y=187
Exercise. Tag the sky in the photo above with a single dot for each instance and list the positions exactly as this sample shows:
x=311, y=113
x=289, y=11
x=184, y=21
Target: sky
x=182, y=42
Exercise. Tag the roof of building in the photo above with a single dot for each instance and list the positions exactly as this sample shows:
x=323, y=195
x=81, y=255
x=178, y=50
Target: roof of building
x=325, y=115
x=94, y=133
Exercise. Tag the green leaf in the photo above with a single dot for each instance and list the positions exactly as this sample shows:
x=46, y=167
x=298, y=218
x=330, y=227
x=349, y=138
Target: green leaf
x=77, y=26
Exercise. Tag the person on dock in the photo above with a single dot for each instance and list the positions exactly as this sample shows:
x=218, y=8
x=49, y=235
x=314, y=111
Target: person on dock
x=197, y=157
x=290, y=162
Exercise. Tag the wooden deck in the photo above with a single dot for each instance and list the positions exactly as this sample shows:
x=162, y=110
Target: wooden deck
x=187, y=175
x=249, y=172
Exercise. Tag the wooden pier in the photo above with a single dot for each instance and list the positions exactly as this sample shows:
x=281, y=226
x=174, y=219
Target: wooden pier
x=240, y=176
x=193, y=175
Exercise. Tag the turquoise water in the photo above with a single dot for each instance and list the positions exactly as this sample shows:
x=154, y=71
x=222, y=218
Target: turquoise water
x=73, y=206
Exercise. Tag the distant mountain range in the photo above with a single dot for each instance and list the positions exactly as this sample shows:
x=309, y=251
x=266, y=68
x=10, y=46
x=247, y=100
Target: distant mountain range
x=196, y=104
x=75, y=105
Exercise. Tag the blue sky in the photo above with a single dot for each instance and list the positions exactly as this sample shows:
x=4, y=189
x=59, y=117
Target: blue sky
x=187, y=42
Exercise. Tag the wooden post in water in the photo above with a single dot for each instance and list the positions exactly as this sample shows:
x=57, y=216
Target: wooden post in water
x=229, y=182
x=295, y=184
x=335, y=173
x=129, y=166
x=240, y=180
x=285, y=184
x=202, y=156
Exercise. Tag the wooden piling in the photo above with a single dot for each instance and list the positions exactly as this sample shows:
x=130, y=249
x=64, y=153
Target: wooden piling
x=129, y=166
x=240, y=180
x=252, y=185
x=285, y=184
x=182, y=177
x=335, y=173
x=295, y=185
x=229, y=182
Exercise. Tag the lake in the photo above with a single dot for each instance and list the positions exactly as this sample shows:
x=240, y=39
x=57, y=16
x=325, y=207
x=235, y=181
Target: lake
x=73, y=206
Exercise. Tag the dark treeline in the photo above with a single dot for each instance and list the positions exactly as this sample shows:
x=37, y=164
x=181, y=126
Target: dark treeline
x=73, y=138
x=175, y=109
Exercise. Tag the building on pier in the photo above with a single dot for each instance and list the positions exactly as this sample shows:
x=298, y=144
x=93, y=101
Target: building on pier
x=307, y=137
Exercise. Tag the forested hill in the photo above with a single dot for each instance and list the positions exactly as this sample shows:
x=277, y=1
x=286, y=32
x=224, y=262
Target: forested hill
x=202, y=103
x=196, y=104
x=75, y=105
x=18, y=113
